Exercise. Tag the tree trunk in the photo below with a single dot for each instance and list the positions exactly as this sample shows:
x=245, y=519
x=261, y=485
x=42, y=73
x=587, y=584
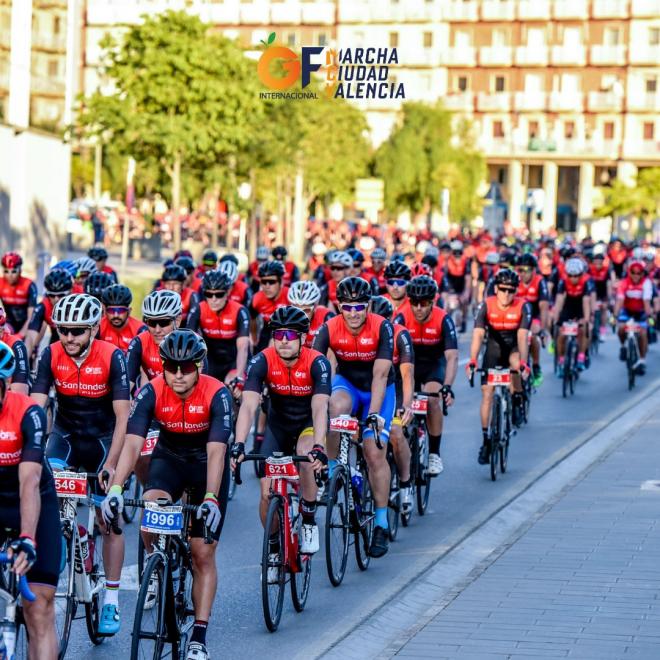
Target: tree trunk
x=176, y=201
x=299, y=220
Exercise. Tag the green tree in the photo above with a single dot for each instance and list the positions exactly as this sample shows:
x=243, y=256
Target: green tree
x=183, y=98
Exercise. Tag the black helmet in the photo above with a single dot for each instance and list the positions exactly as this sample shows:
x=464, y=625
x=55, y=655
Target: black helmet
x=210, y=258
x=291, y=318
x=397, y=270
x=96, y=282
x=507, y=276
x=353, y=290
x=272, y=268
x=58, y=281
x=229, y=257
x=97, y=253
x=117, y=295
x=216, y=280
x=430, y=260
x=186, y=263
x=508, y=257
x=183, y=345
x=382, y=306
x=279, y=252
x=173, y=273
x=356, y=255
x=422, y=287
x=528, y=260
x=182, y=253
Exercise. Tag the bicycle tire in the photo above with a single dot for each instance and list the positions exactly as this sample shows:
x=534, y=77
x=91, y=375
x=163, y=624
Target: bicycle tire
x=393, y=505
x=423, y=479
x=141, y=556
x=338, y=503
x=93, y=609
x=414, y=461
x=132, y=490
x=300, y=581
x=365, y=522
x=494, y=436
x=631, y=359
x=273, y=611
x=504, y=441
x=568, y=369
x=143, y=647
x=65, y=614
x=21, y=649
x=595, y=335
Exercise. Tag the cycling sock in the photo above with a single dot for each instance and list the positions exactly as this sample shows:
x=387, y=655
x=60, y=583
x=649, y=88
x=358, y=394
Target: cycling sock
x=274, y=542
x=381, y=517
x=581, y=357
x=308, y=510
x=434, y=443
x=484, y=432
x=111, y=593
x=199, y=632
x=404, y=484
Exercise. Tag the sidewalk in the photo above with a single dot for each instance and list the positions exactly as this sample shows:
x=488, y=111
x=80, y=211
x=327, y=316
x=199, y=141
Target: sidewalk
x=581, y=582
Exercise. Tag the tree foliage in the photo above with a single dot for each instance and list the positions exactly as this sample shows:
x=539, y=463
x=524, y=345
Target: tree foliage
x=642, y=199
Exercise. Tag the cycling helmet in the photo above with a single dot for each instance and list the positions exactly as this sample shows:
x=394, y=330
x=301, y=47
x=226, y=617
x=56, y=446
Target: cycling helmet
x=508, y=257
x=356, y=255
x=528, y=260
x=382, y=306
x=637, y=265
x=272, y=268
x=397, y=270
x=420, y=269
x=216, y=280
x=186, y=263
x=492, y=258
x=173, y=273
x=291, y=318
x=508, y=277
x=340, y=258
x=182, y=253
x=304, y=293
x=162, y=304
x=183, y=345
x=279, y=252
x=77, y=309
x=117, y=295
x=353, y=290
x=574, y=267
x=262, y=253
x=229, y=257
x=422, y=287
x=68, y=265
x=599, y=251
x=430, y=260
x=379, y=254
x=210, y=258
x=97, y=253
x=432, y=251
x=58, y=281
x=96, y=282
x=230, y=269
x=456, y=246
x=85, y=265
x=319, y=249
x=7, y=361
x=638, y=254
x=12, y=260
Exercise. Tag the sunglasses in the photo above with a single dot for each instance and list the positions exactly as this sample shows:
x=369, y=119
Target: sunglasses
x=420, y=303
x=158, y=323
x=270, y=282
x=354, y=308
x=74, y=332
x=506, y=289
x=186, y=368
x=215, y=294
x=11, y=271
x=57, y=295
x=636, y=272
x=524, y=269
x=397, y=282
x=116, y=310
x=337, y=267
x=289, y=335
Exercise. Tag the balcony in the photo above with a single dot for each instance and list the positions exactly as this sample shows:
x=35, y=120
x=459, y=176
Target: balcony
x=354, y=12
x=496, y=56
x=317, y=12
x=610, y=8
x=530, y=101
x=285, y=13
x=534, y=10
x=645, y=102
x=50, y=42
x=604, y=102
x=637, y=148
x=456, y=10
x=566, y=101
x=492, y=146
x=495, y=102
x=459, y=56
x=228, y=14
x=569, y=55
x=570, y=9
x=46, y=86
x=539, y=144
x=644, y=8
x=644, y=54
x=498, y=10
x=602, y=54
x=532, y=55
x=460, y=102
x=254, y=13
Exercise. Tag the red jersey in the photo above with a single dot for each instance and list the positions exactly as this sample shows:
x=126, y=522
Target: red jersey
x=186, y=296
x=634, y=295
x=318, y=319
x=120, y=337
x=265, y=307
x=12, y=412
x=150, y=361
x=600, y=274
x=457, y=267
x=289, y=268
x=530, y=292
x=238, y=292
x=91, y=379
x=575, y=290
x=290, y=381
x=219, y=325
x=504, y=319
x=15, y=294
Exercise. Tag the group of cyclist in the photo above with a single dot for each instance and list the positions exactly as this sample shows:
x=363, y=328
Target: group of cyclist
x=218, y=355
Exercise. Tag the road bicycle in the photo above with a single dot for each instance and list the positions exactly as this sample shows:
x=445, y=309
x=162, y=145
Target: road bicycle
x=594, y=344
x=631, y=343
x=281, y=558
x=13, y=632
x=569, y=330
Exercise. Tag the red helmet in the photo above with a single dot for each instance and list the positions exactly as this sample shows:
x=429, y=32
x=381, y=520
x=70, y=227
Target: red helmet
x=12, y=260
x=637, y=265
x=420, y=269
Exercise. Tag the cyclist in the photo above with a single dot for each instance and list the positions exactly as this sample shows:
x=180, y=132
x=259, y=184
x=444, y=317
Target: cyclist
x=57, y=284
x=100, y=257
x=377, y=269
x=298, y=380
x=534, y=289
x=117, y=325
x=404, y=370
x=503, y=321
x=357, y=270
x=29, y=512
x=17, y=293
x=340, y=263
x=173, y=279
x=21, y=368
x=458, y=273
x=305, y=294
x=363, y=346
x=618, y=254
x=239, y=291
x=262, y=256
x=291, y=272
x=573, y=302
x=397, y=274
x=602, y=275
x=209, y=262
x=434, y=340
x=161, y=313
x=96, y=282
x=271, y=295
x=91, y=386
x=84, y=268
x=633, y=301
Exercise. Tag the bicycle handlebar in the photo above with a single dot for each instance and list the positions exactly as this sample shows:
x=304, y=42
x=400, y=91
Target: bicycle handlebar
x=262, y=457
x=114, y=522
x=23, y=586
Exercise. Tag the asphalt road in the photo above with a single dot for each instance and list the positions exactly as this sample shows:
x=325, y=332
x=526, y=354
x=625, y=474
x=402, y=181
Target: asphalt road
x=461, y=498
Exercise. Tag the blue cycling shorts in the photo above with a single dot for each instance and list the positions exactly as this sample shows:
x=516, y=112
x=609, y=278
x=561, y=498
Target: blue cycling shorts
x=361, y=401
x=640, y=317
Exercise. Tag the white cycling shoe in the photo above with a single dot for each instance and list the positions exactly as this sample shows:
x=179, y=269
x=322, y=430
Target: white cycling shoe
x=435, y=465
x=309, y=539
x=406, y=499
x=273, y=571
x=197, y=651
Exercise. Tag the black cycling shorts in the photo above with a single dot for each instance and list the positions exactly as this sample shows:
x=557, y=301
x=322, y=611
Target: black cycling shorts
x=220, y=370
x=46, y=569
x=496, y=355
x=429, y=372
x=174, y=475
x=280, y=439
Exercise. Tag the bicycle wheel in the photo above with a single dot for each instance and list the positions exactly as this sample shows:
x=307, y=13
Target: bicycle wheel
x=631, y=359
x=149, y=628
x=504, y=442
x=96, y=581
x=132, y=490
x=66, y=603
x=494, y=432
x=423, y=479
x=393, y=503
x=337, y=526
x=414, y=462
x=566, y=385
x=595, y=334
x=272, y=561
x=365, y=519
x=183, y=604
x=141, y=556
x=300, y=581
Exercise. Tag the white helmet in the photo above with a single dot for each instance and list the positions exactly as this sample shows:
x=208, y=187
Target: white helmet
x=230, y=269
x=599, y=250
x=638, y=253
x=77, y=309
x=263, y=253
x=85, y=265
x=456, y=246
x=319, y=249
x=162, y=304
x=574, y=266
x=304, y=293
x=379, y=253
x=341, y=258
x=492, y=258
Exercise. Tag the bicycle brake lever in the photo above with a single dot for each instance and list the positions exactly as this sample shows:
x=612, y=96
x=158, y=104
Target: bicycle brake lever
x=237, y=474
x=114, y=522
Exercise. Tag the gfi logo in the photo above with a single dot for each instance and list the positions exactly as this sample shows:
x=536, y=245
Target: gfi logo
x=196, y=409
x=300, y=374
x=289, y=64
x=96, y=371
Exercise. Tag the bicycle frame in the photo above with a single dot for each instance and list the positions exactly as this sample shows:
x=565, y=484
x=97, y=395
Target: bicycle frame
x=8, y=626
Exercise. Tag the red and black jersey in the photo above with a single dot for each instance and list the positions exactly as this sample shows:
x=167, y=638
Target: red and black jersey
x=291, y=273
x=265, y=307
x=189, y=301
x=575, y=289
x=431, y=338
x=618, y=257
x=120, y=337
x=403, y=346
x=503, y=323
x=634, y=295
x=534, y=292
x=240, y=293
x=457, y=266
x=16, y=299
x=221, y=330
x=319, y=317
x=21, y=372
x=143, y=353
x=370, y=274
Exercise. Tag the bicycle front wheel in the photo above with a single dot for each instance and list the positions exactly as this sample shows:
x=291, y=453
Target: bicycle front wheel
x=149, y=629
x=632, y=358
x=132, y=490
x=423, y=478
x=365, y=523
x=301, y=580
x=337, y=526
x=494, y=433
x=93, y=609
x=273, y=570
x=504, y=443
x=394, y=503
x=65, y=596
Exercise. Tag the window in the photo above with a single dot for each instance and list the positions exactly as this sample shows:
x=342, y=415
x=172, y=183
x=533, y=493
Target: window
x=462, y=83
x=569, y=130
x=608, y=130
x=654, y=36
x=649, y=130
x=57, y=24
x=651, y=85
x=322, y=39
x=499, y=37
x=500, y=83
x=394, y=39
x=535, y=37
x=612, y=36
x=502, y=175
x=498, y=129
x=533, y=129
x=53, y=68
x=291, y=39
x=428, y=39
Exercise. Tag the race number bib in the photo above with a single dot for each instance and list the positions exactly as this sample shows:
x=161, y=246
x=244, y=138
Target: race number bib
x=162, y=519
x=149, y=443
x=345, y=424
x=498, y=377
x=420, y=404
x=71, y=484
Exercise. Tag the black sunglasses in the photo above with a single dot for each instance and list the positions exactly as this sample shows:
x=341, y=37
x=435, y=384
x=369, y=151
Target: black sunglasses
x=158, y=323
x=74, y=332
x=215, y=294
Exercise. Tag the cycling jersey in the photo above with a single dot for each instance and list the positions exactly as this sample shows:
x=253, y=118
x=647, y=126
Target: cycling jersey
x=329, y=293
x=456, y=270
x=401, y=308
x=265, y=307
x=370, y=274
x=356, y=353
x=110, y=271
x=143, y=352
x=634, y=295
x=16, y=298
x=85, y=391
x=43, y=313
x=403, y=347
x=240, y=293
x=291, y=273
x=535, y=292
x=319, y=317
x=120, y=337
x=21, y=372
x=618, y=258
x=574, y=294
x=189, y=303
x=600, y=277
x=253, y=275
x=431, y=338
x=503, y=323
